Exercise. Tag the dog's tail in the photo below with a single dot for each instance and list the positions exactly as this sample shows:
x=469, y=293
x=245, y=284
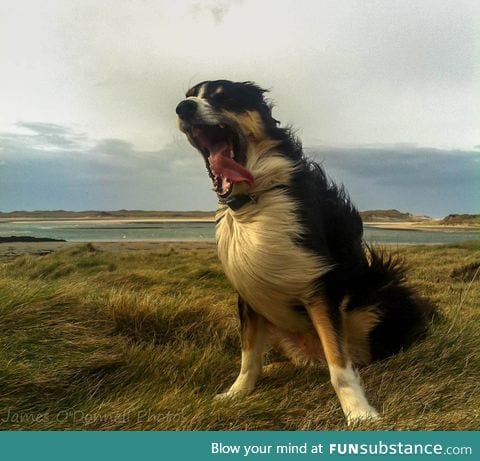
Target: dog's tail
x=392, y=314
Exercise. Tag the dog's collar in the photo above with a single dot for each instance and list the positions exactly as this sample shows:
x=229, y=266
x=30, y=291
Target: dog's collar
x=235, y=202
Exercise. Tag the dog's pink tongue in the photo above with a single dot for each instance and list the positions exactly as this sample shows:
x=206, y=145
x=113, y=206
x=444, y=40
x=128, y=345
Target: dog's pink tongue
x=224, y=166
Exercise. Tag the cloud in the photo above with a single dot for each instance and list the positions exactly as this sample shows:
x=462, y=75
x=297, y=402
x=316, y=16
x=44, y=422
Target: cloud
x=216, y=9
x=73, y=171
x=41, y=137
x=99, y=174
x=400, y=165
x=416, y=179
x=343, y=72
x=63, y=145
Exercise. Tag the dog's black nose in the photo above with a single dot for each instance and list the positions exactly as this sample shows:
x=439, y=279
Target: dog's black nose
x=186, y=109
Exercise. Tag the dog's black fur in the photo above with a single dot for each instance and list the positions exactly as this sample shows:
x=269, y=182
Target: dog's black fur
x=369, y=277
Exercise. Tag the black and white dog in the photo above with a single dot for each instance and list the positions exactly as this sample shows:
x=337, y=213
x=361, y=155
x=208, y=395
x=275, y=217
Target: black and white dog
x=290, y=242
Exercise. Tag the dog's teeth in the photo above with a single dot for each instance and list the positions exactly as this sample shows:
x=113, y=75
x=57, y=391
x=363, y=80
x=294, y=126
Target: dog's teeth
x=232, y=154
x=222, y=125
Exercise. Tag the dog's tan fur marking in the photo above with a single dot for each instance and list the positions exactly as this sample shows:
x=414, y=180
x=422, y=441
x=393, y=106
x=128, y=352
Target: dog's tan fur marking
x=251, y=325
x=249, y=123
x=305, y=348
x=332, y=341
x=301, y=348
x=254, y=341
x=344, y=378
x=201, y=91
x=357, y=325
x=252, y=124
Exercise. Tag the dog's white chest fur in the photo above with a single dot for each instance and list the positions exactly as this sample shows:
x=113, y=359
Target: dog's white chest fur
x=257, y=249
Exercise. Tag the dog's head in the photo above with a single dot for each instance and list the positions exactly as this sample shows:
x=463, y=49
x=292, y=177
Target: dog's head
x=224, y=120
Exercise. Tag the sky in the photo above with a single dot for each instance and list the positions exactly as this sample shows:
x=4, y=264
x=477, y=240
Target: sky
x=385, y=94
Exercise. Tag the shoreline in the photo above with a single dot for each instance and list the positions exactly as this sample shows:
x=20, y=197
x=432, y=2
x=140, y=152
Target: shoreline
x=432, y=225
x=137, y=220
x=12, y=250
x=422, y=226
x=9, y=251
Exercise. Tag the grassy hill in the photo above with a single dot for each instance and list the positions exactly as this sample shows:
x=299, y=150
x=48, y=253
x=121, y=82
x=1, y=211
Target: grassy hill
x=144, y=340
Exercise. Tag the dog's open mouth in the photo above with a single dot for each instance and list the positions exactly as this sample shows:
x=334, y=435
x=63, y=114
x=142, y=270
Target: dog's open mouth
x=220, y=146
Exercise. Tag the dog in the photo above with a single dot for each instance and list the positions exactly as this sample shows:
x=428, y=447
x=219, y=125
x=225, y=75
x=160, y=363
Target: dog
x=290, y=243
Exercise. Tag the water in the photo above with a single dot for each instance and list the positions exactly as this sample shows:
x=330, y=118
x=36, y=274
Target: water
x=93, y=232
x=198, y=231
x=402, y=237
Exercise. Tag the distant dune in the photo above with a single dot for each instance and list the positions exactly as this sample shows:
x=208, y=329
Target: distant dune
x=391, y=216
x=394, y=219
x=378, y=218
x=105, y=215
x=461, y=219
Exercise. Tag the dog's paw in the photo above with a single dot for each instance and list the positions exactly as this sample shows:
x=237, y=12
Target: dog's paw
x=358, y=415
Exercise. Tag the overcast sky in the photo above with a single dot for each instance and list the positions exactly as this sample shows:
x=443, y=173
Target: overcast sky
x=385, y=93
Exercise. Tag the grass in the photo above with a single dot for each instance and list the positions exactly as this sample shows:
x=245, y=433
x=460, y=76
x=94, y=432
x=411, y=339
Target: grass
x=92, y=339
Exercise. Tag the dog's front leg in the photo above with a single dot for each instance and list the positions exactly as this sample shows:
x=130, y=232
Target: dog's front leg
x=328, y=322
x=253, y=337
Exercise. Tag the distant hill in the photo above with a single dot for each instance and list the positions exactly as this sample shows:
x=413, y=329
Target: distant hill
x=95, y=214
x=456, y=219
x=367, y=216
x=390, y=216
